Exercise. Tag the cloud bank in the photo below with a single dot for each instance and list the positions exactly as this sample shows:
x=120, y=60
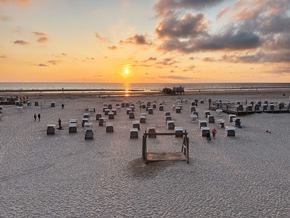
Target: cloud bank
x=257, y=27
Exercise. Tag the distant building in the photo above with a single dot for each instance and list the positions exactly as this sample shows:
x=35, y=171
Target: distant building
x=175, y=91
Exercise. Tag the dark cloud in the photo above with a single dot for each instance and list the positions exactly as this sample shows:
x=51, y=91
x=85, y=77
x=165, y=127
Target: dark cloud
x=42, y=65
x=274, y=24
x=164, y=7
x=3, y=56
x=258, y=28
x=20, y=42
x=137, y=40
x=230, y=40
x=189, y=25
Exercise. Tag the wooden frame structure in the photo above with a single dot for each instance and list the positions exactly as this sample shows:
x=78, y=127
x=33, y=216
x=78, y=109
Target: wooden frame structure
x=154, y=156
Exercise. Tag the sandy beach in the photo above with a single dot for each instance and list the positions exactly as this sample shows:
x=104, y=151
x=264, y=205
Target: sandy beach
x=64, y=175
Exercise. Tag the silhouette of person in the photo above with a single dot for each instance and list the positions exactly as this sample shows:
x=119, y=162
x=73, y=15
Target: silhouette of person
x=214, y=132
x=34, y=117
x=38, y=117
x=59, y=124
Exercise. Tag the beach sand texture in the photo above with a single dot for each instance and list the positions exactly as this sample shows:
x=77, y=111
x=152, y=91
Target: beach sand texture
x=64, y=175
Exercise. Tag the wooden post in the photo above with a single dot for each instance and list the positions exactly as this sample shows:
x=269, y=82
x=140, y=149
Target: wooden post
x=144, y=147
x=187, y=148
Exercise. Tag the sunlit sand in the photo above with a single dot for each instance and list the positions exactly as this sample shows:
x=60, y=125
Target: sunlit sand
x=64, y=175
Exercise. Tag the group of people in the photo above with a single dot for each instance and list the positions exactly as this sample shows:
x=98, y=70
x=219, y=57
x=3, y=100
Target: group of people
x=39, y=116
x=35, y=117
x=208, y=137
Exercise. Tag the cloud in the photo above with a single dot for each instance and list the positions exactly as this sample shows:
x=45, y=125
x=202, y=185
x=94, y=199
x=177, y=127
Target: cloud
x=167, y=62
x=53, y=62
x=164, y=7
x=20, y=42
x=258, y=28
x=231, y=39
x=190, y=25
x=42, y=65
x=258, y=57
x=275, y=24
x=222, y=12
x=208, y=59
x=152, y=59
x=113, y=47
x=101, y=38
x=190, y=34
x=3, y=56
x=137, y=40
x=43, y=37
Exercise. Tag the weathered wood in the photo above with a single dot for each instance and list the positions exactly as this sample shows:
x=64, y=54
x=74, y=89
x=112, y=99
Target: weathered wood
x=166, y=133
x=166, y=156
x=144, y=148
x=150, y=156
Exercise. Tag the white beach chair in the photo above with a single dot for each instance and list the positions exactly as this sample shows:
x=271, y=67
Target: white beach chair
x=178, y=131
x=109, y=127
x=134, y=133
x=204, y=131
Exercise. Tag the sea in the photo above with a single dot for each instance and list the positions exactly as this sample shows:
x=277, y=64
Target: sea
x=136, y=87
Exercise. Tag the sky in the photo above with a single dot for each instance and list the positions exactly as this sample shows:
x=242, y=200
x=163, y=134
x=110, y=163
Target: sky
x=152, y=41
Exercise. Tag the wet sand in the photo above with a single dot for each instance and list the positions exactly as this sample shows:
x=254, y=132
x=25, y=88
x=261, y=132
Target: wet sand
x=66, y=176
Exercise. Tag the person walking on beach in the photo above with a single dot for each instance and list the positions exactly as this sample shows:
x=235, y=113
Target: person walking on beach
x=38, y=117
x=214, y=132
x=34, y=117
x=59, y=124
x=208, y=137
x=62, y=106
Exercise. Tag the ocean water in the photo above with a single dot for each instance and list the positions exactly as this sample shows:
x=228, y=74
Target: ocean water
x=142, y=87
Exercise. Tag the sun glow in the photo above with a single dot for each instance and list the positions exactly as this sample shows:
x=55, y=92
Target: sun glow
x=126, y=72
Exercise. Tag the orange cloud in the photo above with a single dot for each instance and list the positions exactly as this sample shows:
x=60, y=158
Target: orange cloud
x=42, y=39
x=113, y=47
